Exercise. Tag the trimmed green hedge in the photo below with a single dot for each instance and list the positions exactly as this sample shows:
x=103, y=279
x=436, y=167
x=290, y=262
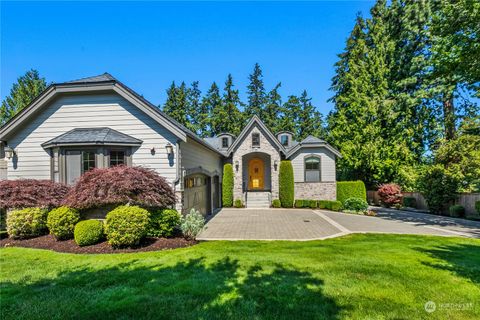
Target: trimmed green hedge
x=286, y=184
x=163, y=223
x=88, y=232
x=126, y=225
x=351, y=189
x=227, y=185
x=61, y=222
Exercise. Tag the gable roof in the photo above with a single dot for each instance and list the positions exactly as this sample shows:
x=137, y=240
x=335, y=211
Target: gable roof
x=312, y=142
x=89, y=136
x=103, y=82
x=255, y=120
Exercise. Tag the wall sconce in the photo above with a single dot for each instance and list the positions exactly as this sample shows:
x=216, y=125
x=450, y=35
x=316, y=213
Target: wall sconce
x=152, y=151
x=9, y=152
x=169, y=148
x=275, y=164
x=237, y=165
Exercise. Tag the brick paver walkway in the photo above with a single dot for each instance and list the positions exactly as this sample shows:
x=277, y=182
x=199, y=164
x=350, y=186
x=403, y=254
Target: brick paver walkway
x=304, y=224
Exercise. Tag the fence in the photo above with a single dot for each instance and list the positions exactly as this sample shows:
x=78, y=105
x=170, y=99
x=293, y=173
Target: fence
x=467, y=200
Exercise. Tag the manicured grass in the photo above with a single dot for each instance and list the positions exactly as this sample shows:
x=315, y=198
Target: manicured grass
x=354, y=277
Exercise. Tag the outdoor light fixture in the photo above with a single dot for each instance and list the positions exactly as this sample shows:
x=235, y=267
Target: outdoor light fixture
x=152, y=151
x=169, y=148
x=236, y=165
x=275, y=164
x=9, y=152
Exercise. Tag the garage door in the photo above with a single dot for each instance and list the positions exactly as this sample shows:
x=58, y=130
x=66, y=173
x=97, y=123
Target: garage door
x=196, y=194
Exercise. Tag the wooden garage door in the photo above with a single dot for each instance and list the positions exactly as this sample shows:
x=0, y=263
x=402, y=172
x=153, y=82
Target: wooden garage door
x=196, y=194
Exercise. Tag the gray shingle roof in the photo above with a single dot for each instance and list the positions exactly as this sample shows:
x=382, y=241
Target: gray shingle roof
x=312, y=139
x=102, y=77
x=88, y=136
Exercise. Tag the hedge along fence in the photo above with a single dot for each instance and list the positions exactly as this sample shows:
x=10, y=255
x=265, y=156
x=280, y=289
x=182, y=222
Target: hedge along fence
x=351, y=189
x=286, y=184
x=227, y=185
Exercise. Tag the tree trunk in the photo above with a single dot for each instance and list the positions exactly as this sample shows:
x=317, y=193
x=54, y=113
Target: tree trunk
x=449, y=116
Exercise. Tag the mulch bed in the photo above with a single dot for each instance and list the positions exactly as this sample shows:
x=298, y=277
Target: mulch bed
x=69, y=246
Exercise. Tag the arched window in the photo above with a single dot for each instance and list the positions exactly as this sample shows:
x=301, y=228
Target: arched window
x=312, y=169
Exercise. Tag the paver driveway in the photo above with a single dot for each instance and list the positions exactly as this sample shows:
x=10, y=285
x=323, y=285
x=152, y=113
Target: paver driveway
x=305, y=224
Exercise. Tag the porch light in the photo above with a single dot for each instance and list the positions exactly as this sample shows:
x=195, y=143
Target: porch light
x=275, y=164
x=237, y=164
x=169, y=148
x=9, y=152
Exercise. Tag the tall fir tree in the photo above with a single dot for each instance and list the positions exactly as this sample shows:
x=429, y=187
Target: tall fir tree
x=27, y=88
x=176, y=105
x=256, y=94
x=273, y=109
x=230, y=119
x=212, y=102
x=309, y=120
x=289, y=115
x=194, y=109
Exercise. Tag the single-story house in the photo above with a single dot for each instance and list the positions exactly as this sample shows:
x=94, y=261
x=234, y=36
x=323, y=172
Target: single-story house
x=99, y=122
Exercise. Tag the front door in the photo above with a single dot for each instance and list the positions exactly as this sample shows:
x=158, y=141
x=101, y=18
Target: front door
x=256, y=174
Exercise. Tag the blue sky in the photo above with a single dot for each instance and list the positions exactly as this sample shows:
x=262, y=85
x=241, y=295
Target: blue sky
x=147, y=45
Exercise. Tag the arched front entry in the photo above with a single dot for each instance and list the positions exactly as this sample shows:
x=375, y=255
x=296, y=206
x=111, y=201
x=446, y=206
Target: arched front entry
x=256, y=174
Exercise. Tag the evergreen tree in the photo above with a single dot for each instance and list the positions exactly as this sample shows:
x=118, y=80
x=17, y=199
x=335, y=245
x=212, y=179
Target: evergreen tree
x=309, y=120
x=230, y=119
x=273, y=108
x=194, y=108
x=176, y=105
x=256, y=94
x=289, y=116
x=212, y=105
x=27, y=88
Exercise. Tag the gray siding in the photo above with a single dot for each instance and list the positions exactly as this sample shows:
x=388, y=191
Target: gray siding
x=195, y=155
x=327, y=163
x=89, y=111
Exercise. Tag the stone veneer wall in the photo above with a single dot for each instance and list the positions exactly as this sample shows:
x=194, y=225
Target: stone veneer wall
x=244, y=148
x=316, y=190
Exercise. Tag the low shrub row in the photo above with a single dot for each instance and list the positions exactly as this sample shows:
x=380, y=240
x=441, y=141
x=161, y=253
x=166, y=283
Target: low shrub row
x=125, y=226
x=321, y=204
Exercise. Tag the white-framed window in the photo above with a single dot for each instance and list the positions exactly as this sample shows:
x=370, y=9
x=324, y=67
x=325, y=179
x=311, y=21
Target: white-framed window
x=312, y=169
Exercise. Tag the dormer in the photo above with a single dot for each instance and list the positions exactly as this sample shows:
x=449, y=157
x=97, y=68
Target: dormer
x=225, y=140
x=285, y=138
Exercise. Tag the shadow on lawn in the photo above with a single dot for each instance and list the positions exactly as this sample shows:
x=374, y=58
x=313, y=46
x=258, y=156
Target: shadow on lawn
x=188, y=290
x=463, y=260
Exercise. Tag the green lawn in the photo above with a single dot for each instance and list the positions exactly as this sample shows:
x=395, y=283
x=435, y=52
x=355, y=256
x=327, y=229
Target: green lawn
x=354, y=277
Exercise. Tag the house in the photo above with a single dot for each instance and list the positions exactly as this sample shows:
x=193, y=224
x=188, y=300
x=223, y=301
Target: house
x=99, y=122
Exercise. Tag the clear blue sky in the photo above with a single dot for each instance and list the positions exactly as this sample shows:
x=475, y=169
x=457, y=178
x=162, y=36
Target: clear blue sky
x=146, y=45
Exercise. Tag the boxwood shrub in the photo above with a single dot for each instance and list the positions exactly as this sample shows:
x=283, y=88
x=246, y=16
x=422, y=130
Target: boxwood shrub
x=27, y=223
x=238, y=203
x=298, y=203
x=312, y=204
x=163, y=222
x=88, y=232
x=227, y=185
x=351, y=189
x=356, y=204
x=61, y=222
x=457, y=211
x=286, y=184
x=126, y=225
x=276, y=203
x=322, y=204
x=336, y=205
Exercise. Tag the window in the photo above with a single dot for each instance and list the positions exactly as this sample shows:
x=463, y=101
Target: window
x=117, y=158
x=312, y=169
x=224, y=142
x=88, y=160
x=255, y=139
x=284, y=140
